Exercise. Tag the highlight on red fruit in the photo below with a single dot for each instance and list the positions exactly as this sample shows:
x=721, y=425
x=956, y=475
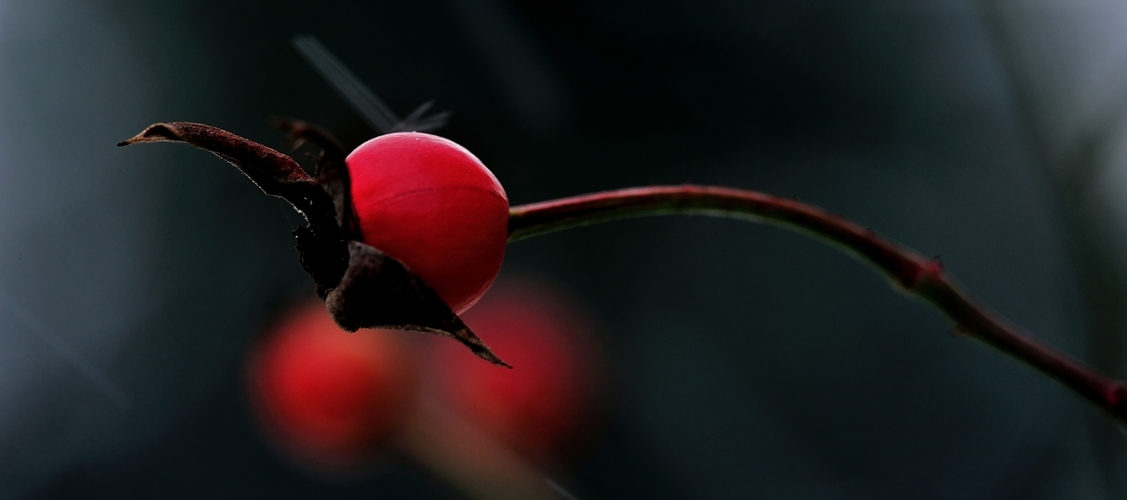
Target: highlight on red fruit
x=328, y=398
x=432, y=205
x=544, y=405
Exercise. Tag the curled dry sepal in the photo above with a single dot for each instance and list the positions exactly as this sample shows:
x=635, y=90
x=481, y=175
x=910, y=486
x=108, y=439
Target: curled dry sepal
x=362, y=286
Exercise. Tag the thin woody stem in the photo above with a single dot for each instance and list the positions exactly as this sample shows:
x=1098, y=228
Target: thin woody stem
x=908, y=270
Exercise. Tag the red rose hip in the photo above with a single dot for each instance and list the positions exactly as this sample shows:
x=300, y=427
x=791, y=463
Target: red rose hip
x=432, y=205
x=327, y=397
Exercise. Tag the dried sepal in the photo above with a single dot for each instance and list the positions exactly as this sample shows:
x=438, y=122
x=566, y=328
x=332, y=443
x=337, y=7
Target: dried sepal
x=331, y=171
x=275, y=173
x=321, y=245
x=407, y=303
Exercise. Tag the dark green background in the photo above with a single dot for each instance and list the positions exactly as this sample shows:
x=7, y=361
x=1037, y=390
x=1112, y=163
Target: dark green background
x=746, y=362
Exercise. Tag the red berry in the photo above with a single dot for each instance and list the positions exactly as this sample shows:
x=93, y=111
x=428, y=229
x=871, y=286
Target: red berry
x=432, y=205
x=542, y=406
x=327, y=396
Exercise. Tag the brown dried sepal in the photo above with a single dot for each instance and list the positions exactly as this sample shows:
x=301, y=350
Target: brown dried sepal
x=321, y=245
x=331, y=171
x=275, y=173
x=408, y=303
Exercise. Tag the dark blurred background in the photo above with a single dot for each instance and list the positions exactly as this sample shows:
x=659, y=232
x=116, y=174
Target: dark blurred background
x=746, y=362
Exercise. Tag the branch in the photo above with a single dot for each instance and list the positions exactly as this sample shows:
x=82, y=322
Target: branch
x=908, y=270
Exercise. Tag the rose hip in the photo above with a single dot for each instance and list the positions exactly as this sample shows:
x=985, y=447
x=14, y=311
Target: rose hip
x=328, y=397
x=432, y=205
x=541, y=407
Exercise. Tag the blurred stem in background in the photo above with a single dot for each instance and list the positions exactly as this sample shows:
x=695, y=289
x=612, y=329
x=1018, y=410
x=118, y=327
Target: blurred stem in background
x=1071, y=165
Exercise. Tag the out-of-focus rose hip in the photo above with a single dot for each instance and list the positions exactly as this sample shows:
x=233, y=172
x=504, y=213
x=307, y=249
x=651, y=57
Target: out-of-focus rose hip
x=544, y=405
x=327, y=397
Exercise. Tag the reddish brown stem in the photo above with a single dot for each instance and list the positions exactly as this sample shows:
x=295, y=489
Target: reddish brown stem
x=908, y=270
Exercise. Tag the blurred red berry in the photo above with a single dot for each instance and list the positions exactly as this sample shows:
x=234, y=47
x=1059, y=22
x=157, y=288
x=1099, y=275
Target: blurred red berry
x=542, y=406
x=431, y=204
x=330, y=397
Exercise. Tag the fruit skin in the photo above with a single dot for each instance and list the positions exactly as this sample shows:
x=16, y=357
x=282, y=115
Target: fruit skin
x=327, y=397
x=432, y=205
x=543, y=407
